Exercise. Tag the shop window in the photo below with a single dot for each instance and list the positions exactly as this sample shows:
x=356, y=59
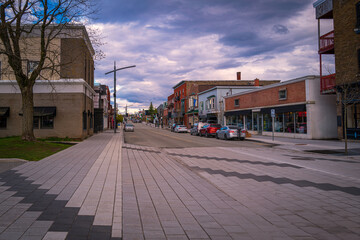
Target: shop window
x=248, y=122
x=301, y=122
x=267, y=123
x=289, y=122
x=3, y=122
x=279, y=123
x=255, y=122
x=236, y=102
x=282, y=94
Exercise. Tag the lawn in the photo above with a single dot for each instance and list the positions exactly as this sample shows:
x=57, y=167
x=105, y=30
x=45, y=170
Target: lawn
x=15, y=147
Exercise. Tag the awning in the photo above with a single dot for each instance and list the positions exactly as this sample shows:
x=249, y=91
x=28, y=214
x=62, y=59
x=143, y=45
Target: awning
x=237, y=113
x=212, y=96
x=44, y=111
x=4, y=111
x=192, y=111
x=284, y=109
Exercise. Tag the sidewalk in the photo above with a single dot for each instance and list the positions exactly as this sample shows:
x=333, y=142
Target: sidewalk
x=73, y=194
x=321, y=146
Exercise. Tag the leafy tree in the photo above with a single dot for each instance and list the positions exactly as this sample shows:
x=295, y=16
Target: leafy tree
x=45, y=19
x=119, y=118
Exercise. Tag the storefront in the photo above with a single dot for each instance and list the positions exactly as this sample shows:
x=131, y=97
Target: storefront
x=300, y=110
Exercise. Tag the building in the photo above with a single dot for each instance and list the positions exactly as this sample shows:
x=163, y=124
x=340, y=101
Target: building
x=63, y=99
x=211, y=102
x=344, y=42
x=300, y=111
x=101, y=108
x=185, y=108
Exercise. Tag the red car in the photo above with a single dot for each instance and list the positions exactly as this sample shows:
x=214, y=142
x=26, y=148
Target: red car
x=209, y=130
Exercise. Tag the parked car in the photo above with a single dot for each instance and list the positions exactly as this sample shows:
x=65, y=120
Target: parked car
x=231, y=132
x=195, y=130
x=129, y=127
x=180, y=128
x=209, y=130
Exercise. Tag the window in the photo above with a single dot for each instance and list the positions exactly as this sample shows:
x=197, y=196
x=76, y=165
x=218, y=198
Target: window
x=43, y=122
x=84, y=120
x=357, y=15
x=358, y=55
x=282, y=94
x=3, y=122
x=236, y=102
x=31, y=65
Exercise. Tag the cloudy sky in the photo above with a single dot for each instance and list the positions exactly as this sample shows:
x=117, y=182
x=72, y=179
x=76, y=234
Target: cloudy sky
x=174, y=40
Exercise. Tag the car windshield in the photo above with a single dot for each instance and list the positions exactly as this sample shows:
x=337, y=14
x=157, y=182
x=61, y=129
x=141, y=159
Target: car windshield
x=129, y=125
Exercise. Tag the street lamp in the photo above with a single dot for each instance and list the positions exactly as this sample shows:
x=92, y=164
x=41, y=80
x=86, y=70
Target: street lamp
x=114, y=71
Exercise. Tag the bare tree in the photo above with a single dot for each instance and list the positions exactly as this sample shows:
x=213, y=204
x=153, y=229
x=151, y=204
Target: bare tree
x=45, y=20
x=350, y=94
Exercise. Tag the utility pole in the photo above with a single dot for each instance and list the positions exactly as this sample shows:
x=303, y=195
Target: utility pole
x=114, y=71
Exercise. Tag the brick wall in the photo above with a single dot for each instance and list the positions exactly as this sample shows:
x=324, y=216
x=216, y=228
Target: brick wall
x=268, y=97
x=346, y=41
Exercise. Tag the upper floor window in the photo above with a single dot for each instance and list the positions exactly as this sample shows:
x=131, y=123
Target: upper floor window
x=236, y=102
x=212, y=103
x=282, y=94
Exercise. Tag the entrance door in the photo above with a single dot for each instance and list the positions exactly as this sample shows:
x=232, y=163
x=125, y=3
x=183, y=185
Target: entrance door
x=260, y=123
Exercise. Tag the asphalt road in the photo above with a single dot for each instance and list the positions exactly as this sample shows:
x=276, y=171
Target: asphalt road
x=145, y=135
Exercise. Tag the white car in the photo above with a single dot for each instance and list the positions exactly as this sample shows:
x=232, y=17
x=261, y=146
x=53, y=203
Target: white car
x=180, y=128
x=231, y=132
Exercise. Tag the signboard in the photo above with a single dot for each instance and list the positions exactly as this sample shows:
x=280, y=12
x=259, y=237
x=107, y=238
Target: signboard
x=272, y=112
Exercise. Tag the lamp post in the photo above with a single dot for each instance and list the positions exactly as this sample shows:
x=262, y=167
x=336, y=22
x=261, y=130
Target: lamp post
x=114, y=71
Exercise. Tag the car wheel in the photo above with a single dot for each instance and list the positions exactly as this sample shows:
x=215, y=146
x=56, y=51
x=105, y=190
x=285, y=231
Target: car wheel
x=225, y=137
x=217, y=137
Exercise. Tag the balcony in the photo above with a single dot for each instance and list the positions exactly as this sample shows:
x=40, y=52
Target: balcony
x=326, y=45
x=327, y=84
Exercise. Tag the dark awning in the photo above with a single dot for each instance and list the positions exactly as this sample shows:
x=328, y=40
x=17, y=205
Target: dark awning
x=44, y=111
x=237, y=113
x=284, y=109
x=4, y=111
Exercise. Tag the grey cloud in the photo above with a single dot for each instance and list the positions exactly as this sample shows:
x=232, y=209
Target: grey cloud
x=280, y=29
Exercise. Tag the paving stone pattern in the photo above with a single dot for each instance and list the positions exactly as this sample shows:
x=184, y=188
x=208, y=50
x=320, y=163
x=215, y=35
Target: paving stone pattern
x=103, y=188
x=277, y=202
x=34, y=196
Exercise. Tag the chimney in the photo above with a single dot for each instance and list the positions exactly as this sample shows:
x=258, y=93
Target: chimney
x=238, y=76
x=256, y=82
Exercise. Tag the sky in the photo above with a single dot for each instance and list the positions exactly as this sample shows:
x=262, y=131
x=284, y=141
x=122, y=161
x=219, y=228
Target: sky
x=174, y=40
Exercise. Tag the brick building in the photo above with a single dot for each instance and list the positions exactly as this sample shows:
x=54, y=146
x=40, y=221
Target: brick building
x=185, y=103
x=344, y=42
x=300, y=110
x=63, y=99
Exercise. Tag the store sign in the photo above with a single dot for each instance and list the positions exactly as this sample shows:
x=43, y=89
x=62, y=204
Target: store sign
x=272, y=112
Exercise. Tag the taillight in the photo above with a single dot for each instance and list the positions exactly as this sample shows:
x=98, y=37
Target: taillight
x=243, y=131
x=232, y=131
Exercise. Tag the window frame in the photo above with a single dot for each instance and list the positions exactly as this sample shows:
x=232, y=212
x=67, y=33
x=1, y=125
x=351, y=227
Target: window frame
x=236, y=102
x=285, y=93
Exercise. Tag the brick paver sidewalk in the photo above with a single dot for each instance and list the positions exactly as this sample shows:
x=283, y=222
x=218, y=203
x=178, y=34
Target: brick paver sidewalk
x=74, y=194
x=104, y=189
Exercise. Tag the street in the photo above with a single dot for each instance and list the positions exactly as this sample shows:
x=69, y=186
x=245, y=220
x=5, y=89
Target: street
x=261, y=192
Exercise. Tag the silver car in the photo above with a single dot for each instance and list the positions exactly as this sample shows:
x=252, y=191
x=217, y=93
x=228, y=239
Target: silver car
x=231, y=132
x=180, y=128
x=129, y=127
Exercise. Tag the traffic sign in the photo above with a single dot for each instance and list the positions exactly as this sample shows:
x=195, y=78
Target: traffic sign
x=272, y=112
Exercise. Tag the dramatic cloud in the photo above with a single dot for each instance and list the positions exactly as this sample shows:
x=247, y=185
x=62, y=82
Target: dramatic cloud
x=176, y=40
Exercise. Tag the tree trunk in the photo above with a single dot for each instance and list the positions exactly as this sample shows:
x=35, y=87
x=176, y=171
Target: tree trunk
x=28, y=113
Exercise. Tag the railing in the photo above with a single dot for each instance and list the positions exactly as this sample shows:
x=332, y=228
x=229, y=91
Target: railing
x=327, y=84
x=326, y=42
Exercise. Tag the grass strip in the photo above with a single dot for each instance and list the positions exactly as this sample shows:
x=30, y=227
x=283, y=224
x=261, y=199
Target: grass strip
x=15, y=147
